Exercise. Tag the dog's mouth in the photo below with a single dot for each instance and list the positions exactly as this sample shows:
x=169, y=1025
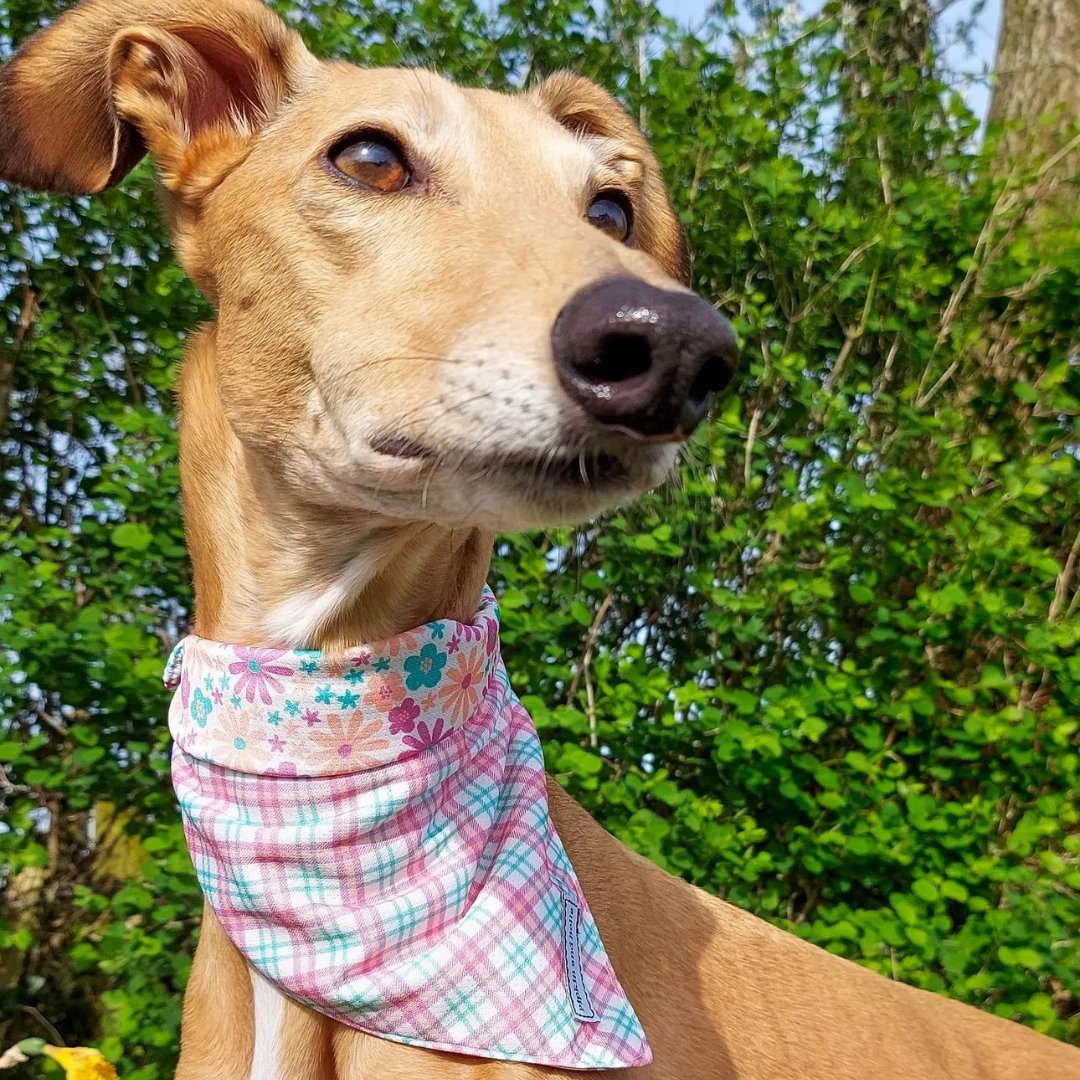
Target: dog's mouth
x=398, y=446
x=587, y=466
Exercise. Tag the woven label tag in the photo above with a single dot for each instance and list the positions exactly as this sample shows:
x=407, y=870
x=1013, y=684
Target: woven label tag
x=575, y=980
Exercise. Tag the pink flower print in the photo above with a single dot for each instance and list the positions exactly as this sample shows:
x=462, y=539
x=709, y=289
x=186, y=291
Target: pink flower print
x=185, y=688
x=258, y=672
x=218, y=696
x=427, y=736
x=403, y=717
x=383, y=692
x=452, y=645
x=492, y=637
x=349, y=738
x=461, y=685
x=187, y=740
x=277, y=743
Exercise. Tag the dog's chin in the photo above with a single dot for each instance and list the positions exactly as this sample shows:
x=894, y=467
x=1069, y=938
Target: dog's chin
x=568, y=492
x=515, y=490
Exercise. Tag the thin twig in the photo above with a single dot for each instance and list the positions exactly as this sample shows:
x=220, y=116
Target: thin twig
x=1064, y=581
x=52, y=722
x=590, y=644
x=751, y=436
x=57, y=1038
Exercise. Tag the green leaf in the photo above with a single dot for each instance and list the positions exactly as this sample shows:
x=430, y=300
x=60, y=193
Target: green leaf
x=132, y=536
x=581, y=613
x=860, y=593
x=925, y=889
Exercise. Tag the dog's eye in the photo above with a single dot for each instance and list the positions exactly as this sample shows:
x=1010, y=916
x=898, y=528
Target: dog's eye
x=610, y=212
x=373, y=161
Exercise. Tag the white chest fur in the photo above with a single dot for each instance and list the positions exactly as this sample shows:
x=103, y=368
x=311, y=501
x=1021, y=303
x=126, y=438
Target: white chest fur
x=269, y=1016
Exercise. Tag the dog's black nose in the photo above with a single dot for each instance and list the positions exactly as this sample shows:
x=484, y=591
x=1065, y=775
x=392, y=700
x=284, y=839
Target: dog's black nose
x=640, y=358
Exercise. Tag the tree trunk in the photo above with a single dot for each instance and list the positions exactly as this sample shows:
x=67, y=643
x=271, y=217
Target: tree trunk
x=888, y=36
x=889, y=48
x=1037, y=73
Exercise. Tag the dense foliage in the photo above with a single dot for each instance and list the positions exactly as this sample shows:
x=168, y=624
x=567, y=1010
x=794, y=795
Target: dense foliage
x=826, y=674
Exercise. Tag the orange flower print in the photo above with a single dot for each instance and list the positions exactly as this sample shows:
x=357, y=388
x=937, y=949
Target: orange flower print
x=383, y=692
x=403, y=644
x=350, y=739
x=229, y=740
x=462, y=684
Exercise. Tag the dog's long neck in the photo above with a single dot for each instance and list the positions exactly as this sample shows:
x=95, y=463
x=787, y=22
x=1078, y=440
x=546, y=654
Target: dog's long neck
x=272, y=570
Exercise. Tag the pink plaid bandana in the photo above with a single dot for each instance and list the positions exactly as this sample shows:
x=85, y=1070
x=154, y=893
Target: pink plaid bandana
x=373, y=834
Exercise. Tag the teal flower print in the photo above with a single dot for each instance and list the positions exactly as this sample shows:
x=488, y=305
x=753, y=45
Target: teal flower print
x=201, y=708
x=424, y=669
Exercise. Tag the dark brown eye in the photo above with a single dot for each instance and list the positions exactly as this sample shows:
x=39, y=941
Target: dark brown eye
x=610, y=212
x=372, y=161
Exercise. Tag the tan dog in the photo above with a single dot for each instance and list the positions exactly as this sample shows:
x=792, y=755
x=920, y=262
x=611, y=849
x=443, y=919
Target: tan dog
x=439, y=312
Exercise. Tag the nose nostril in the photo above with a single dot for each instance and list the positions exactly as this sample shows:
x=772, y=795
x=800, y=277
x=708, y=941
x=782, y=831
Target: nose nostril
x=713, y=377
x=619, y=358
x=641, y=359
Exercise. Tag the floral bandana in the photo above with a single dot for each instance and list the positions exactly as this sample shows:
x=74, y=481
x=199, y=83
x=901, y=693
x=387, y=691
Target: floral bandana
x=373, y=834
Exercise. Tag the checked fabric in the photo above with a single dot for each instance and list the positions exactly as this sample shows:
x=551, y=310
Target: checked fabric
x=373, y=833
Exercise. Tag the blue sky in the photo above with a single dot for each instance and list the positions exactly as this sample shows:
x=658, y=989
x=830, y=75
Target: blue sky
x=969, y=66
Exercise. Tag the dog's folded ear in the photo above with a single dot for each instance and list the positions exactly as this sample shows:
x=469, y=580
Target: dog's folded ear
x=83, y=99
x=586, y=109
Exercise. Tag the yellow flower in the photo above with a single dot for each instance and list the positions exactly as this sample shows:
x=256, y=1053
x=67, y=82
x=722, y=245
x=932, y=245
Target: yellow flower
x=80, y=1063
